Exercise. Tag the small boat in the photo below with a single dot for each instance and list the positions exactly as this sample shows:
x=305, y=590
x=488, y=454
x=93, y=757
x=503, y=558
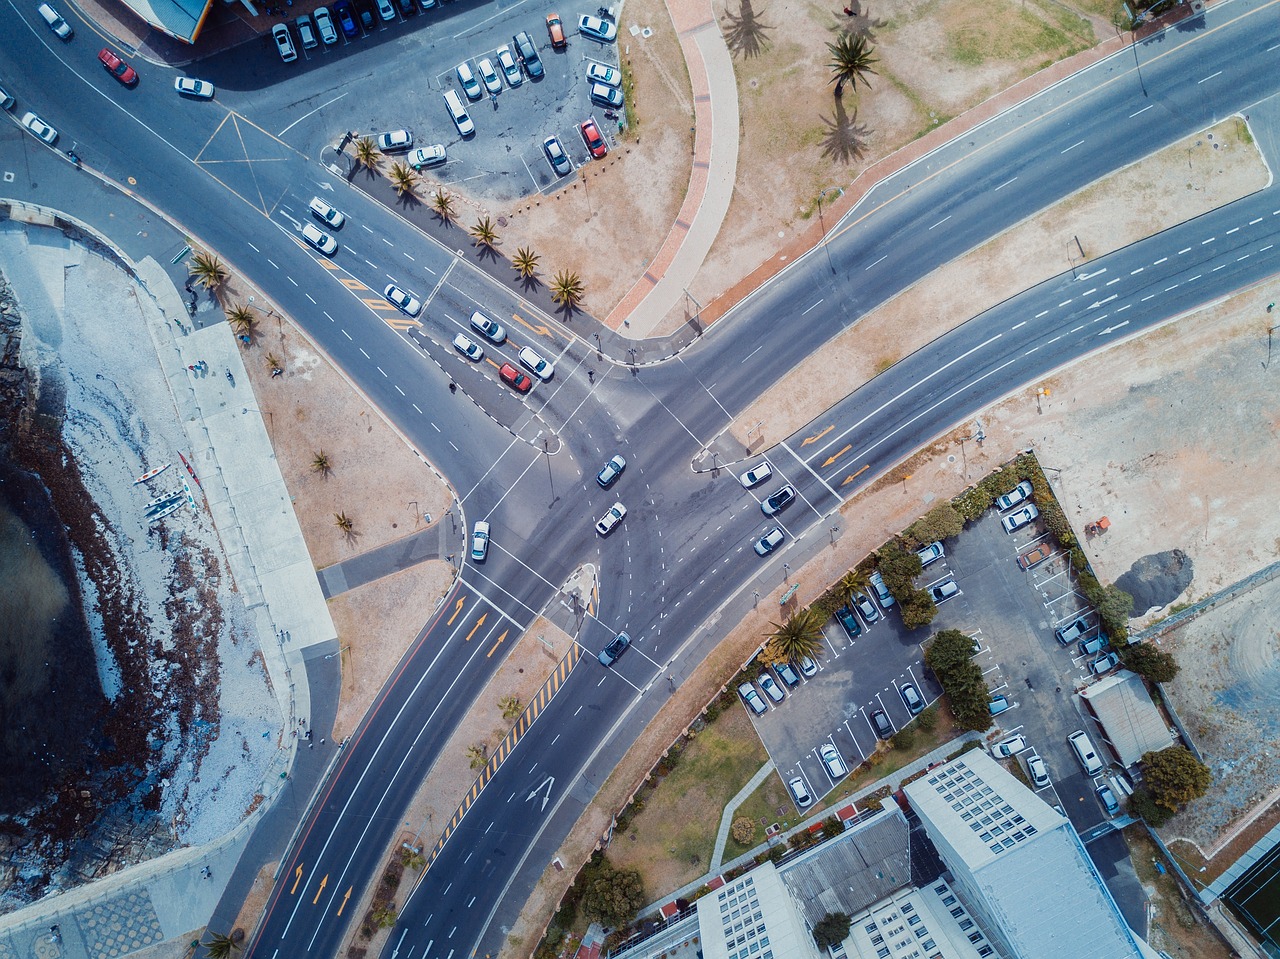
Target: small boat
x=148, y=477
x=167, y=510
x=189, y=469
x=186, y=487
x=161, y=502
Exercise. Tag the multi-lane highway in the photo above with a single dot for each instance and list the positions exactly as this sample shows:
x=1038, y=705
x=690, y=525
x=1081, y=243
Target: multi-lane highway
x=681, y=564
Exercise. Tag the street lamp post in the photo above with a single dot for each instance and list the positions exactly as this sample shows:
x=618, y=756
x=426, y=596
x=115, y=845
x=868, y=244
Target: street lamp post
x=823, y=225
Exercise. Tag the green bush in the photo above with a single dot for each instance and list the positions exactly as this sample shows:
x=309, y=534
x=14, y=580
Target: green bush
x=928, y=719
x=918, y=608
x=898, y=567
x=950, y=657
x=941, y=522
x=1147, y=809
x=1146, y=660
x=831, y=930
x=1174, y=777
x=903, y=738
x=611, y=896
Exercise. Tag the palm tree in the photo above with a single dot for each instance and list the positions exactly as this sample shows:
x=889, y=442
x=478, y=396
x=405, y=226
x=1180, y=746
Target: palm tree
x=343, y=522
x=443, y=204
x=800, y=636
x=367, y=154
x=567, y=290
x=208, y=270
x=320, y=464
x=525, y=263
x=855, y=581
x=484, y=234
x=242, y=319
x=851, y=60
x=404, y=178
x=221, y=946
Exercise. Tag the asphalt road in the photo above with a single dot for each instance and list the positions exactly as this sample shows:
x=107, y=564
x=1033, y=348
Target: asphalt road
x=682, y=563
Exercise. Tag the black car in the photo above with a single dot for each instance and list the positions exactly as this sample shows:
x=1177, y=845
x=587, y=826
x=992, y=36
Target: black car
x=609, y=655
x=850, y=622
x=884, y=728
x=779, y=501
x=527, y=54
x=367, y=17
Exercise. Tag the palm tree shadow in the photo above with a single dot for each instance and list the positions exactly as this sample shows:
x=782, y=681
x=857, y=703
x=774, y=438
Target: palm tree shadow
x=567, y=310
x=845, y=139
x=484, y=252
x=530, y=284
x=409, y=200
x=745, y=32
x=860, y=22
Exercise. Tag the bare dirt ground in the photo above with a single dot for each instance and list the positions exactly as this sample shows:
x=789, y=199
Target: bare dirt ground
x=1174, y=928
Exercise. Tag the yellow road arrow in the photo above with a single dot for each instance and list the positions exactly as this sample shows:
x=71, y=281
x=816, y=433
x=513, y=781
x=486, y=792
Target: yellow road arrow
x=815, y=438
x=498, y=643
x=456, y=610
x=345, y=897
x=853, y=476
x=401, y=323
x=323, y=882
x=479, y=623
x=835, y=456
x=297, y=878
x=540, y=330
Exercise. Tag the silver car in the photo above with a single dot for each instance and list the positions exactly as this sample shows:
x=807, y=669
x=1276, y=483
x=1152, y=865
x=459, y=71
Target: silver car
x=770, y=687
x=488, y=75
x=770, y=541
x=800, y=792
x=510, y=69
x=833, y=762
x=556, y=156
x=752, y=699
x=394, y=140
x=1015, y=496
x=491, y=330
x=611, y=471
x=612, y=517
x=468, y=347
x=402, y=300
x=318, y=238
x=39, y=129
x=599, y=73
x=756, y=475
x=1020, y=518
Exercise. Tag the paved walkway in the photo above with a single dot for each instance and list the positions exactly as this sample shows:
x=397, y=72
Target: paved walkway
x=726, y=820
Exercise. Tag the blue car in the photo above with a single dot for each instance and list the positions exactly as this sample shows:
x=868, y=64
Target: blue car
x=346, y=19
x=850, y=622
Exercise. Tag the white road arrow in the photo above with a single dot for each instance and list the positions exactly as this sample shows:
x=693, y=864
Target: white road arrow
x=1112, y=329
x=324, y=186
x=545, y=789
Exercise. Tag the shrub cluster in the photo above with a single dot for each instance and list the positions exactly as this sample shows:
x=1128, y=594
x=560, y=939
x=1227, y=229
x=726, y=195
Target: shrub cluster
x=950, y=656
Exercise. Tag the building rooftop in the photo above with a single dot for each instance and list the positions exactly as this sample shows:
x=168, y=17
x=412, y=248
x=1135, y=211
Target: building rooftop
x=1129, y=719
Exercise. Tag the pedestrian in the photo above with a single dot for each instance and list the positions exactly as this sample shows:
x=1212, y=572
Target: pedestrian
x=848, y=12
x=453, y=387
x=591, y=376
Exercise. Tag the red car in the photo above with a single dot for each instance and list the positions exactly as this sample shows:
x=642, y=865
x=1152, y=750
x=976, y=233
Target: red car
x=555, y=29
x=515, y=378
x=595, y=142
x=118, y=68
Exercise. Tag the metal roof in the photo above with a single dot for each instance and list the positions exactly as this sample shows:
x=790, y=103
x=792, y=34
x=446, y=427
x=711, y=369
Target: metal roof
x=1132, y=723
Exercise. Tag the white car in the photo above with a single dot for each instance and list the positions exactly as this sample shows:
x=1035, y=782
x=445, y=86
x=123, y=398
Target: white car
x=770, y=541
x=599, y=73
x=535, y=364
x=944, y=591
x=467, y=77
x=833, y=762
x=770, y=687
x=1036, y=769
x=808, y=668
x=756, y=475
x=1020, y=518
x=324, y=24
x=1015, y=496
x=1007, y=747
x=39, y=129
x=597, y=29
x=191, y=87
x=606, y=96
x=329, y=215
x=468, y=347
x=612, y=517
x=491, y=330
x=752, y=699
x=488, y=75
x=510, y=69
x=800, y=793
x=284, y=42
x=402, y=300
x=930, y=553
x=394, y=140
x=386, y=10
x=321, y=240
x=480, y=541
x=433, y=155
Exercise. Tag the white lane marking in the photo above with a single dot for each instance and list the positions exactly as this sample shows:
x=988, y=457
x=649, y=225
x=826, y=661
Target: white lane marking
x=1004, y=184
x=1234, y=229
x=814, y=307
x=1258, y=220
x=252, y=247
x=1137, y=271
x=408, y=257
x=1210, y=240
x=1040, y=314
x=1073, y=146
x=1196, y=277
x=1209, y=77
x=1159, y=261
x=309, y=297
x=784, y=445
x=1184, y=250
x=1018, y=326
x=305, y=115
x=942, y=221
x=885, y=257
x=1143, y=110
x=751, y=354
x=1148, y=297
x=1116, y=280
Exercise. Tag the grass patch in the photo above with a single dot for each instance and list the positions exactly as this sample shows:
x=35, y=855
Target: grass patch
x=977, y=36
x=671, y=839
x=884, y=363
x=762, y=808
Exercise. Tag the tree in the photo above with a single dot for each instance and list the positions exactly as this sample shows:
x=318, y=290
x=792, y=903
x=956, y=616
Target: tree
x=898, y=567
x=743, y=830
x=384, y=916
x=855, y=581
x=525, y=262
x=343, y=522
x=221, y=946
x=941, y=522
x=831, y=930
x=851, y=60
x=367, y=154
x=511, y=707
x=1114, y=606
x=567, y=290
x=949, y=650
x=799, y=637
x=1147, y=809
x=208, y=270
x=320, y=463
x=404, y=178
x=612, y=896
x=918, y=608
x=442, y=203
x=484, y=234
x=950, y=657
x=1146, y=660
x=242, y=319
x=1174, y=777
x=478, y=754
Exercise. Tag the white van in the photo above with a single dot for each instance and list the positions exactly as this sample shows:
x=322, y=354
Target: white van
x=461, y=119
x=1085, y=752
x=56, y=23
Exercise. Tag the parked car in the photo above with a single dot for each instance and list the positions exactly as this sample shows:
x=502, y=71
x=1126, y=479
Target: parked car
x=779, y=501
x=468, y=347
x=752, y=699
x=787, y=674
x=609, y=655
x=480, y=541
x=609, y=474
x=60, y=27
x=1020, y=518
x=1094, y=644
x=1037, y=771
x=118, y=68
x=1007, y=747
x=432, y=155
x=911, y=698
x=852, y=628
x=930, y=553
x=386, y=11
x=306, y=32
x=599, y=73
x=1108, y=799
x=756, y=475
x=191, y=87
x=592, y=138
x=770, y=541
x=800, y=792
x=331, y=216
x=614, y=515
x=402, y=300
x=867, y=608
x=535, y=364
x=491, y=330
x=6, y=99
x=998, y=705
x=594, y=28
x=318, y=238
x=527, y=53
x=944, y=591
x=1104, y=664
x=367, y=19
x=513, y=377
x=488, y=75
x=1036, y=556
x=606, y=96
x=346, y=19
x=881, y=724
x=324, y=24
x=39, y=129
x=1015, y=496
x=507, y=64
x=770, y=687
x=284, y=42
x=555, y=30
x=881, y=590
x=833, y=762
x=394, y=141
x=808, y=668
x=470, y=84
x=1072, y=631
x=556, y=156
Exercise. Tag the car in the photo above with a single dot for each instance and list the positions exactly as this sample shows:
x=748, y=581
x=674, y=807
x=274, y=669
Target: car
x=1104, y=664
x=867, y=608
x=852, y=628
x=1094, y=644
x=394, y=140
x=331, y=216
x=592, y=138
x=756, y=475
x=752, y=699
x=306, y=32
x=881, y=590
x=808, y=668
x=770, y=541
x=480, y=541
x=1020, y=518
x=606, y=96
x=944, y=591
x=833, y=762
x=507, y=64
x=468, y=347
x=402, y=300
x=1036, y=556
x=556, y=156
x=594, y=28
x=779, y=501
x=433, y=155
x=6, y=99
x=930, y=553
x=770, y=687
x=609, y=76
x=346, y=19
x=59, y=26
x=408, y=8
x=555, y=30
x=1090, y=762
x=880, y=722
x=191, y=87
x=367, y=19
x=535, y=364
x=1037, y=771
x=614, y=515
x=800, y=792
x=1108, y=799
x=515, y=378
x=998, y=705
x=117, y=67
x=787, y=674
x=324, y=24
x=1007, y=747
x=39, y=129
x=1015, y=496
x=911, y=698
x=491, y=330
x=1072, y=631
x=386, y=11
x=609, y=474
x=318, y=238
x=527, y=54
x=609, y=655
x=458, y=113
x=470, y=84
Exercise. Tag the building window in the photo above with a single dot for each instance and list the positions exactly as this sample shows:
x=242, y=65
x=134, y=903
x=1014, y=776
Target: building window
x=913, y=920
x=907, y=908
x=958, y=911
x=949, y=901
x=975, y=936
x=869, y=928
x=985, y=951
x=929, y=944
x=883, y=952
x=967, y=924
